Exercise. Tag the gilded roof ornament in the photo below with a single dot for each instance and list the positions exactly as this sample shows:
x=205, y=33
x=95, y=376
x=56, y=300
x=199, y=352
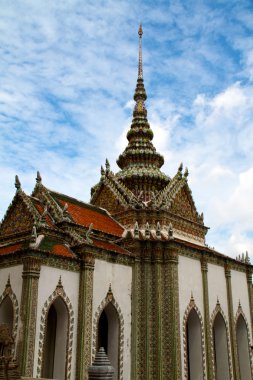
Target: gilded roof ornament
x=136, y=230
x=147, y=231
x=107, y=165
x=158, y=230
x=38, y=178
x=17, y=183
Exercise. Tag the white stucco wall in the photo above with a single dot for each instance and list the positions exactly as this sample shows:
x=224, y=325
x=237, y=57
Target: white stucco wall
x=15, y=274
x=240, y=293
x=120, y=278
x=48, y=281
x=217, y=288
x=190, y=281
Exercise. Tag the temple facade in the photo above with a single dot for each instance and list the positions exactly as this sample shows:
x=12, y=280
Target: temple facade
x=130, y=272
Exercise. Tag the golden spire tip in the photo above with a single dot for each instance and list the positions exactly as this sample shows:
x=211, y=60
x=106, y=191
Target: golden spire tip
x=140, y=31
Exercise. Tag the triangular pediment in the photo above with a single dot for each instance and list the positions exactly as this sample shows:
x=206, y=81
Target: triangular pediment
x=107, y=199
x=20, y=216
x=182, y=204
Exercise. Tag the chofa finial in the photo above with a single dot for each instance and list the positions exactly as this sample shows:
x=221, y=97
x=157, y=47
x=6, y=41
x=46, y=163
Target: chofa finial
x=38, y=178
x=17, y=183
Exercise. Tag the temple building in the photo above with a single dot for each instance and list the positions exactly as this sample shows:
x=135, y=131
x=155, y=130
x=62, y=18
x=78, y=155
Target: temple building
x=130, y=272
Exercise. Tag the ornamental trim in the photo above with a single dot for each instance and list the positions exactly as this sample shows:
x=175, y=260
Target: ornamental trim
x=218, y=310
x=58, y=292
x=192, y=306
x=240, y=313
x=8, y=292
x=109, y=299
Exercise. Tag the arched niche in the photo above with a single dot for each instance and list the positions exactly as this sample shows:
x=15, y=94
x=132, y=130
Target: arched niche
x=109, y=319
x=195, y=368
x=243, y=348
x=7, y=313
x=108, y=334
x=56, y=341
x=220, y=348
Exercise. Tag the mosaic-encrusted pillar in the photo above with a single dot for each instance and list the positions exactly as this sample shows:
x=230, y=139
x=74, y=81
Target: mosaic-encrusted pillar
x=28, y=313
x=147, y=313
x=235, y=362
x=157, y=311
x=137, y=343
x=249, y=282
x=209, y=364
x=171, y=321
x=84, y=328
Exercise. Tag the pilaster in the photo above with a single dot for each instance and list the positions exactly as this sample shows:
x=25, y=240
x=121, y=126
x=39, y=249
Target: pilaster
x=171, y=320
x=147, y=311
x=157, y=310
x=28, y=313
x=249, y=283
x=209, y=365
x=235, y=363
x=84, y=328
x=136, y=321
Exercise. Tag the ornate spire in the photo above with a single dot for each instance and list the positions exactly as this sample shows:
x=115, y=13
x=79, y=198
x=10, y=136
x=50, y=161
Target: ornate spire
x=140, y=71
x=140, y=159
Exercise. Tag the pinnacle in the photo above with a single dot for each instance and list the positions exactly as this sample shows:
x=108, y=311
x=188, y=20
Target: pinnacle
x=140, y=157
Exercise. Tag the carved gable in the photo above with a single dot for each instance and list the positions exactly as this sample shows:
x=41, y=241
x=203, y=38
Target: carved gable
x=106, y=199
x=18, y=219
x=183, y=205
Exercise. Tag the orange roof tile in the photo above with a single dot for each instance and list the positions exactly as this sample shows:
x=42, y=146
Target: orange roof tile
x=10, y=249
x=62, y=250
x=85, y=215
x=109, y=246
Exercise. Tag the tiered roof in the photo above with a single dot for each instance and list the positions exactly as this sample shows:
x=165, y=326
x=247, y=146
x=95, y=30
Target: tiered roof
x=53, y=223
x=140, y=192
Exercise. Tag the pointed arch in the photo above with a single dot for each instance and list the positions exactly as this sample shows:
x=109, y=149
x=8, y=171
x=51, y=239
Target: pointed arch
x=109, y=301
x=57, y=300
x=9, y=296
x=219, y=329
x=243, y=344
x=197, y=329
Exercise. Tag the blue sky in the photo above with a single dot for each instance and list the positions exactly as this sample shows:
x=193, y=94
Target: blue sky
x=68, y=73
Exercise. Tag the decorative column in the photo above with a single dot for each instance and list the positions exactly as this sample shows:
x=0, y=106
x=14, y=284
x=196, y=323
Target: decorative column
x=249, y=282
x=28, y=313
x=137, y=341
x=209, y=364
x=84, y=328
x=157, y=311
x=147, y=311
x=235, y=362
x=171, y=345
